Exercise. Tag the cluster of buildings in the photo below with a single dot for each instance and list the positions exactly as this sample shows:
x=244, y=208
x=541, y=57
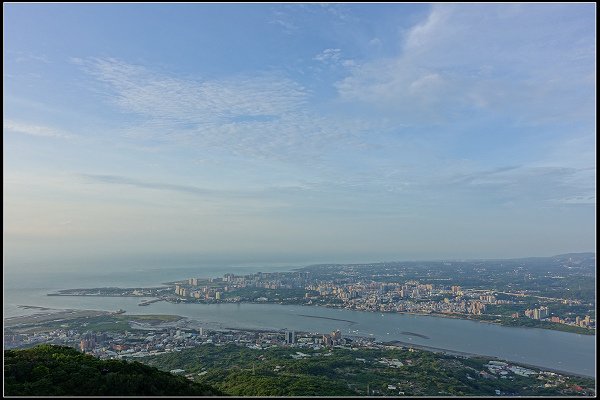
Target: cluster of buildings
x=411, y=296
x=542, y=313
x=16, y=340
x=266, y=280
x=584, y=322
x=334, y=339
x=503, y=369
x=90, y=340
x=537, y=313
x=83, y=341
x=161, y=340
x=205, y=292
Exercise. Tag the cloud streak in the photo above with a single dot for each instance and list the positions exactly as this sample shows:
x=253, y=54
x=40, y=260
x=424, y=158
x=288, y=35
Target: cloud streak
x=194, y=190
x=121, y=180
x=26, y=128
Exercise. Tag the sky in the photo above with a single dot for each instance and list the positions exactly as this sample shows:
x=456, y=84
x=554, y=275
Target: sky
x=297, y=132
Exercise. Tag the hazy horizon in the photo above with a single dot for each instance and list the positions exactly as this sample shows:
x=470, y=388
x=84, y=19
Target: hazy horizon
x=115, y=263
x=285, y=133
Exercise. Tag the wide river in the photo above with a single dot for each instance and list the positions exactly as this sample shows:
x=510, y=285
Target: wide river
x=563, y=351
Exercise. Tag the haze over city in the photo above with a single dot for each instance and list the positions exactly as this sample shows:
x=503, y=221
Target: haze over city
x=297, y=133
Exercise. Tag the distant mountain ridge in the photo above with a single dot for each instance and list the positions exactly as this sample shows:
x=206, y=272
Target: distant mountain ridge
x=585, y=256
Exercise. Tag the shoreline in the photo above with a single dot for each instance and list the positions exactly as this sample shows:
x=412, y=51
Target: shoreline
x=467, y=354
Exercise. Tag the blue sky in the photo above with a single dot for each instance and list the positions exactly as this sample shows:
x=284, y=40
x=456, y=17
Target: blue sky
x=298, y=132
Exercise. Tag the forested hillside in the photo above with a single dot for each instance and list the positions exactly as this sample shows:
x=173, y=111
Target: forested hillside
x=48, y=370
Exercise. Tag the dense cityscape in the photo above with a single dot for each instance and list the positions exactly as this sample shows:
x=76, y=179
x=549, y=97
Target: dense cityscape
x=521, y=299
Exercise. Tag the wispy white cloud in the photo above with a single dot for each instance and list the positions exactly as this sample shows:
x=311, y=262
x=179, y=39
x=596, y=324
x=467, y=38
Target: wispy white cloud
x=195, y=190
x=265, y=116
x=139, y=90
x=329, y=56
x=26, y=128
x=591, y=199
x=521, y=184
x=22, y=57
x=522, y=61
x=333, y=58
x=284, y=20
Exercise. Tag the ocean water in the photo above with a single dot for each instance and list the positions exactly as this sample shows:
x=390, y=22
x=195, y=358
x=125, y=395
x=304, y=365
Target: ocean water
x=21, y=287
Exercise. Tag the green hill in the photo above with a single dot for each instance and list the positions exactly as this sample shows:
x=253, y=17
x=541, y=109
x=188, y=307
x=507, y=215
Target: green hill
x=48, y=370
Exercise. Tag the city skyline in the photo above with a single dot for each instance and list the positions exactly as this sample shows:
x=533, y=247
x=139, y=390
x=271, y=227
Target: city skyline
x=273, y=132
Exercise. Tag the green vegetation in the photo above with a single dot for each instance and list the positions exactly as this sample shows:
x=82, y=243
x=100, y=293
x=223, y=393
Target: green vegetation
x=241, y=371
x=63, y=371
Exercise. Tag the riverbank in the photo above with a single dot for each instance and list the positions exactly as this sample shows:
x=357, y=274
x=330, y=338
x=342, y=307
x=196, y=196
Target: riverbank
x=470, y=355
x=581, y=331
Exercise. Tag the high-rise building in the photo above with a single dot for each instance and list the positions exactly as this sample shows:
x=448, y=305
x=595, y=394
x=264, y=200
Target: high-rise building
x=290, y=337
x=336, y=335
x=476, y=307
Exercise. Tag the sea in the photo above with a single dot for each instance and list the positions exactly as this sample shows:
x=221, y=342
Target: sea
x=554, y=350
